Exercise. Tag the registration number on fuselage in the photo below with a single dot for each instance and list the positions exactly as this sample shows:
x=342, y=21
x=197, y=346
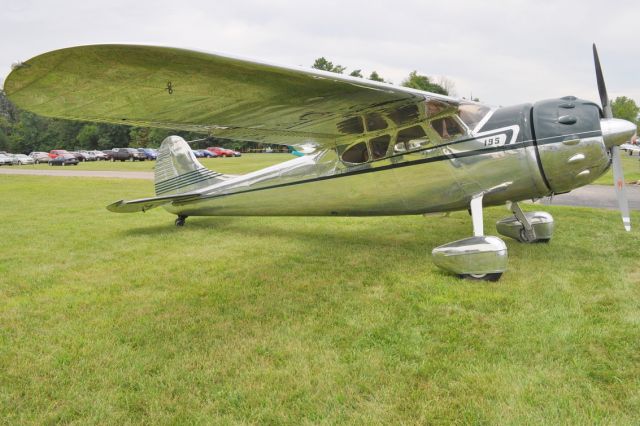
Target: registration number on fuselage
x=495, y=140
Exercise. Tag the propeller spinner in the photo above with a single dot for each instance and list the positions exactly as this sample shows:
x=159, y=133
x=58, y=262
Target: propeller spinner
x=615, y=132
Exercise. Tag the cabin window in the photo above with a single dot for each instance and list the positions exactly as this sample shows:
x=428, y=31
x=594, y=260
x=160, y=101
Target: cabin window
x=411, y=139
x=447, y=127
x=379, y=146
x=375, y=121
x=404, y=114
x=351, y=126
x=357, y=153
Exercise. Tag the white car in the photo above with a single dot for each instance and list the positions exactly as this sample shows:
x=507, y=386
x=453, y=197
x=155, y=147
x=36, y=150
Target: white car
x=23, y=159
x=631, y=149
x=5, y=160
x=100, y=156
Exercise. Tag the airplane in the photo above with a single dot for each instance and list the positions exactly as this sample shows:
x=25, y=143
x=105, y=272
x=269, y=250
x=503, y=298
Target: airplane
x=367, y=148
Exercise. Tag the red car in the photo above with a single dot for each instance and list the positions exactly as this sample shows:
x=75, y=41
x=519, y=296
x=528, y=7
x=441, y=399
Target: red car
x=221, y=152
x=54, y=153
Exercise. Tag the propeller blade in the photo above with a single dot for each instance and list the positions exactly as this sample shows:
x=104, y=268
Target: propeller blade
x=602, y=88
x=621, y=193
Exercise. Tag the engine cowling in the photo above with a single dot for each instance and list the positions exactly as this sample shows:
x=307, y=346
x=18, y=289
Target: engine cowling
x=569, y=140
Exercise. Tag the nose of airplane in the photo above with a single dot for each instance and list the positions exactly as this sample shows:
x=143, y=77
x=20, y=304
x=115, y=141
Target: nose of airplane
x=615, y=131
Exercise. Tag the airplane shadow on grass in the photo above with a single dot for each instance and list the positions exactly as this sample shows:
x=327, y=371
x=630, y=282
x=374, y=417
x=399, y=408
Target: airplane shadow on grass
x=359, y=240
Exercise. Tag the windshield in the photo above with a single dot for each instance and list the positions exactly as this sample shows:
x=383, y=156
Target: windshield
x=472, y=114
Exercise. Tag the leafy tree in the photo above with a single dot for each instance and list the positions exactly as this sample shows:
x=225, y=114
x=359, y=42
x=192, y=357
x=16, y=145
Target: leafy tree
x=139, y=137
x=375, y=77
x=625, y=108
x=29, y=133
x=356, y=73
x=4, y=141
x=61, y=134
x=422, y=82
x=113, y=136
x=322, y=64
x=7, y=109
x=88, y=136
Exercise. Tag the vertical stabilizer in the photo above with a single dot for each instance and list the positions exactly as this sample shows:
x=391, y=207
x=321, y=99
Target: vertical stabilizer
x=178, y=170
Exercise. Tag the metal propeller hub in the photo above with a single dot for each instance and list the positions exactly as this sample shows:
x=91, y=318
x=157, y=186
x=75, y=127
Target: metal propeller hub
x=615, y=131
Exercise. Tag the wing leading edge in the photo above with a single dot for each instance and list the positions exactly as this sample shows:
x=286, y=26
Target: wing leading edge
x=209, y=93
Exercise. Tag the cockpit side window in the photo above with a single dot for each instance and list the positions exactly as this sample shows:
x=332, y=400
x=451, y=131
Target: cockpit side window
x=411, y=139
x=356, y=154
x=447, y=128
x=375, y=121
x=472, y=114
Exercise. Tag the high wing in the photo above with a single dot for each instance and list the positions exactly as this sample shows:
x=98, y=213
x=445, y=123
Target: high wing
x=210, y=93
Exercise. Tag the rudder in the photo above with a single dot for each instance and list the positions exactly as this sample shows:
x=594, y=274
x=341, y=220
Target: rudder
x=178, y=171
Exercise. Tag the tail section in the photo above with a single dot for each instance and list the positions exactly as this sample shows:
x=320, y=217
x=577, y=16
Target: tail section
x=178, y=170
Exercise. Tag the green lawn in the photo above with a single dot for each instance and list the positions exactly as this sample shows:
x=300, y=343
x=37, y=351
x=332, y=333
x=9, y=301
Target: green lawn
x=630, y=166
x=121, y=319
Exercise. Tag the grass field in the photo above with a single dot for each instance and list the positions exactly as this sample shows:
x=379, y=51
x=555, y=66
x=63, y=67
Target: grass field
x=120, y=319
x=631, y=167
x=249, y=162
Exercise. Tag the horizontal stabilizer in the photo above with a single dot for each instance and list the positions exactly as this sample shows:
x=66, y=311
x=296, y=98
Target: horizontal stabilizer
x=144, y=204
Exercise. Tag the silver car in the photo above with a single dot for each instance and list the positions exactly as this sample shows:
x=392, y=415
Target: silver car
x=5, y=160
x=23, y=159
x=40, y=157
x=100, y=156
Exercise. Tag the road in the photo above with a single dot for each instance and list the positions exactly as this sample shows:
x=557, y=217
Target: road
x=599, y=196
x=78, y=173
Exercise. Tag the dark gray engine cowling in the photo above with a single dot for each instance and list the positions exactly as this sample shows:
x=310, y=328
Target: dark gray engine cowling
x=569, y=142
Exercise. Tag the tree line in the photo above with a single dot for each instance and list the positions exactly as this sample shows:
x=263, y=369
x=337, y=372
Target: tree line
x=24, y=132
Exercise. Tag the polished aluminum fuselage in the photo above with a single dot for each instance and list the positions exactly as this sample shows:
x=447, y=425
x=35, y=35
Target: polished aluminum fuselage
x=434, y=179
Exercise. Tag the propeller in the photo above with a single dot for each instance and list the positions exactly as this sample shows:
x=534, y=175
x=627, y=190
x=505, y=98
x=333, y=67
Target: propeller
x=618, y=175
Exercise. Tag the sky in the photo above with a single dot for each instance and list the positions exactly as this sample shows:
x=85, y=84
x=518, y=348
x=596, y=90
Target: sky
x=503, y=52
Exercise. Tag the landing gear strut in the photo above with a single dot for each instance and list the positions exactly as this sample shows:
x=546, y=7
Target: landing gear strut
x=180, y=220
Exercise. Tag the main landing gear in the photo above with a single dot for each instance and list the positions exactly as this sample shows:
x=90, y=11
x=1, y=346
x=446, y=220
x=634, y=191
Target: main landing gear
x=485, y=257
x=180, y=220
x=476, y=258
x=530, y=227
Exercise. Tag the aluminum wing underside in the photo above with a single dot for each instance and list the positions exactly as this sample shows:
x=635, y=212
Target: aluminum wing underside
x=218, y=95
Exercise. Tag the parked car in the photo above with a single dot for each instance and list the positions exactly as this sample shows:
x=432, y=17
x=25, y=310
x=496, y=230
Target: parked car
x=221, y=152
x=23, y=159
x=40, y=157
x=207, y=154
x=5, y=160
x=150, y=153
x=236, y=153
x=81, y=157
x=55, y=152
x=630, y=148
x=88, y=155
x=198, y=153
x=64, y=160
x=100, y=156
x=127, y=154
